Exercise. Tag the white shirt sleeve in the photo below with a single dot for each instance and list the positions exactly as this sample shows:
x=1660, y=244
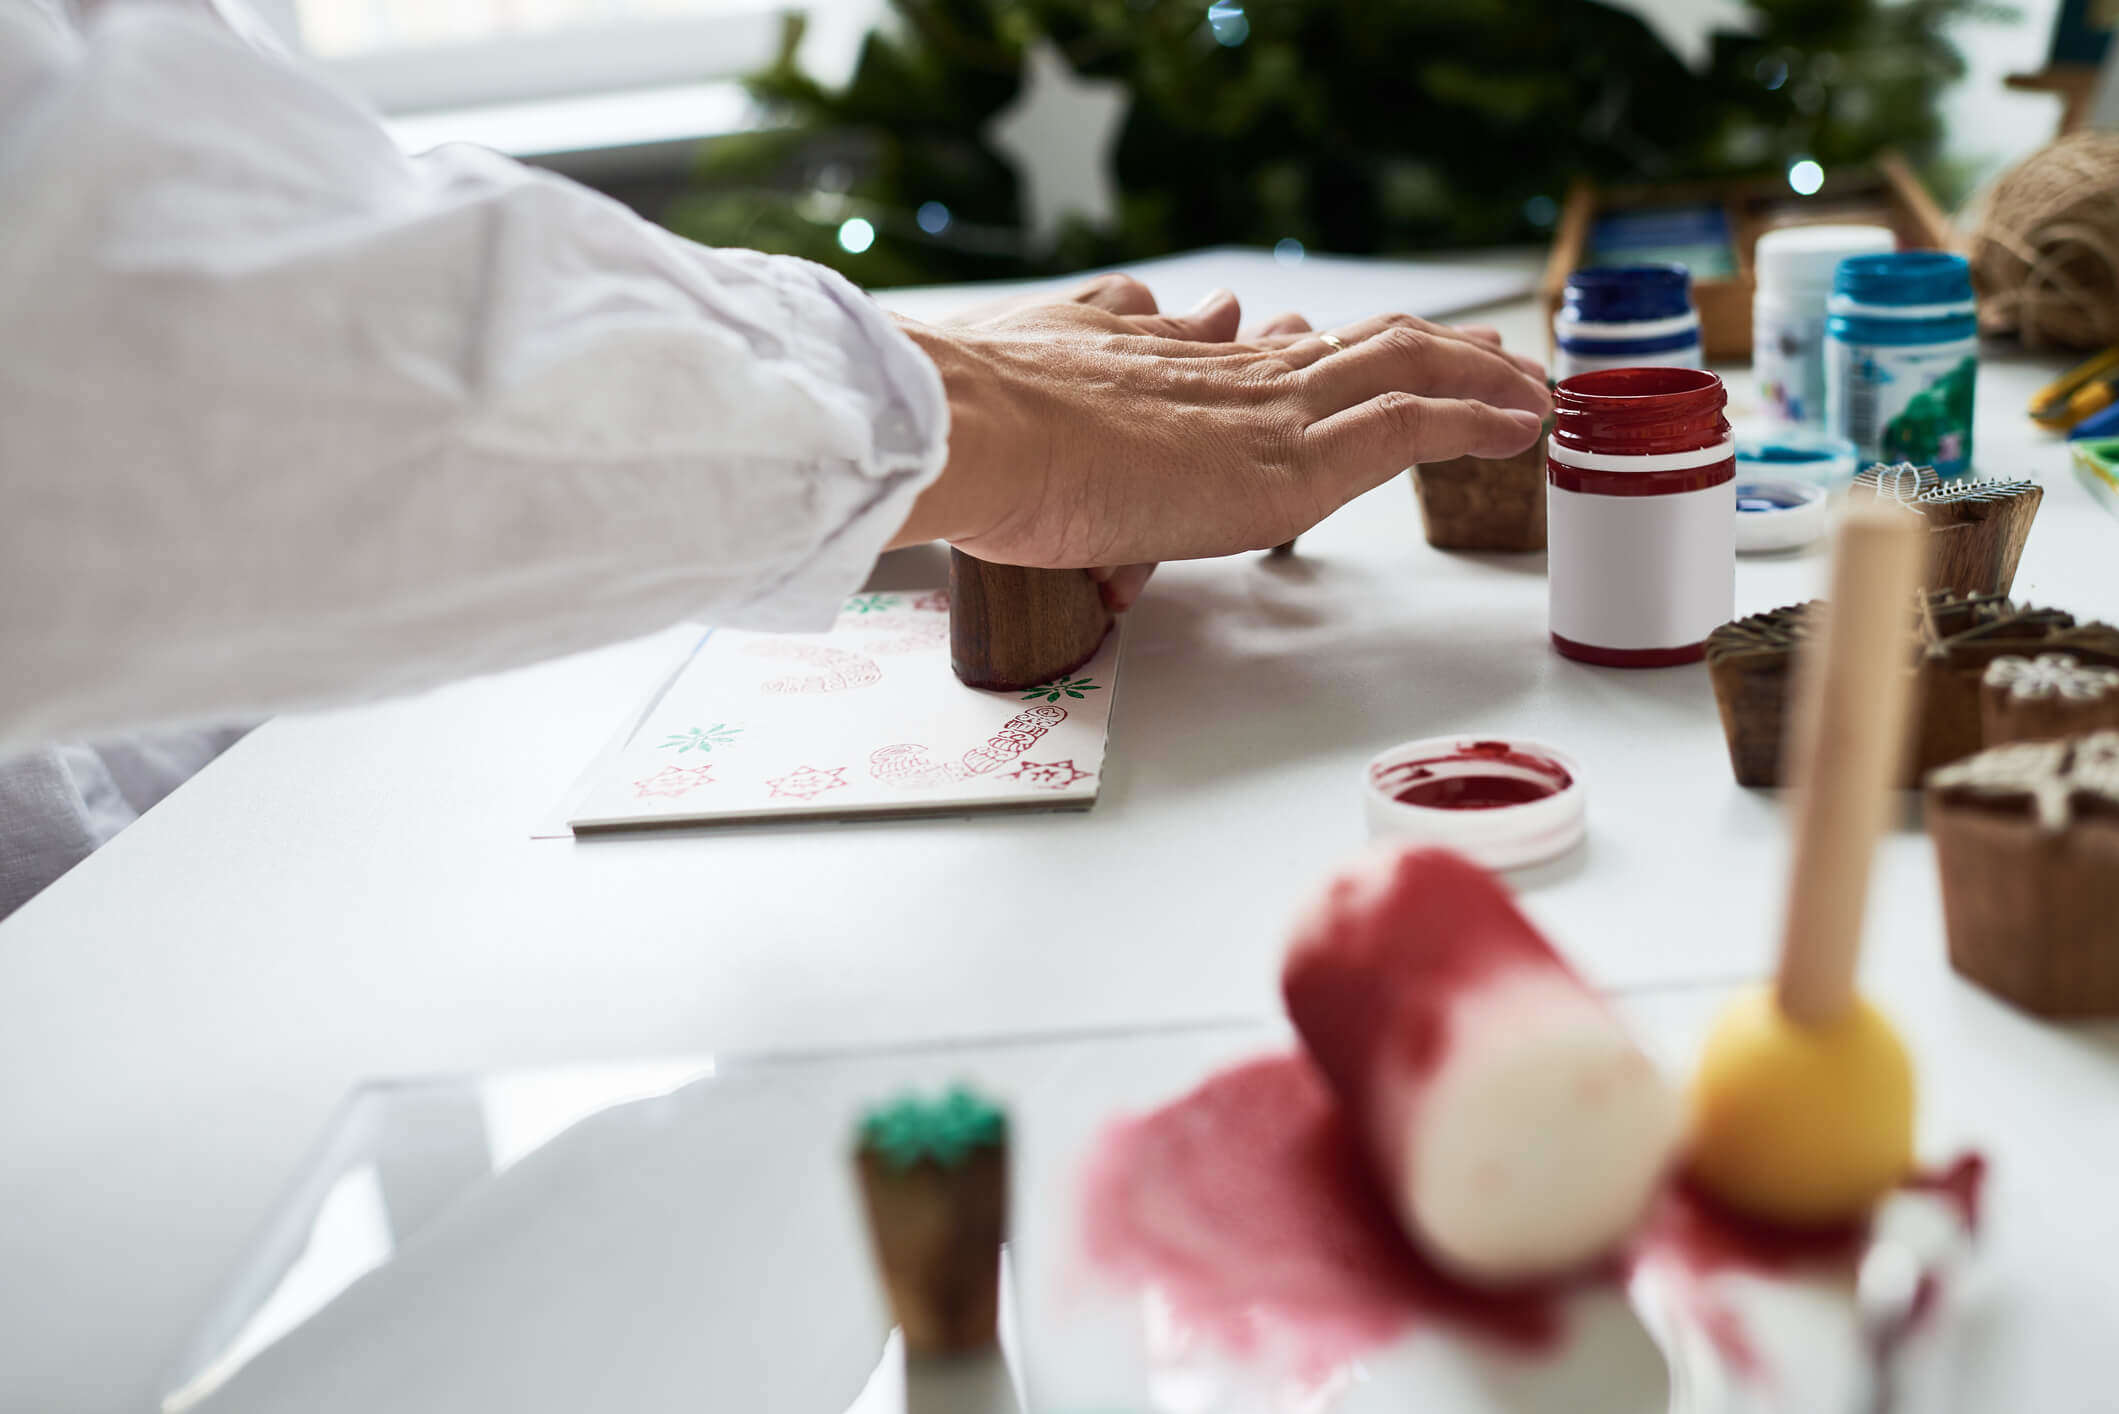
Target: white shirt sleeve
x=287, y=417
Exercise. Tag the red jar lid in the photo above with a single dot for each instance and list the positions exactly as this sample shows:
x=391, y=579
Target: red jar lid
x=1640, y=411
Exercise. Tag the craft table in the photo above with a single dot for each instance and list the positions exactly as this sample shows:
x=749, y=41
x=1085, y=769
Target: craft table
x=356, y=894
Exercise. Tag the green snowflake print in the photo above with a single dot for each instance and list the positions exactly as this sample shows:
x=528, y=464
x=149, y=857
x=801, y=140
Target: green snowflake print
x=703, y=738
x=1059, y=687
x=870, y=603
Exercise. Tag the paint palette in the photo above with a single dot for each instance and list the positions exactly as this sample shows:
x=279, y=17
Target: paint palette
x=686, y=1236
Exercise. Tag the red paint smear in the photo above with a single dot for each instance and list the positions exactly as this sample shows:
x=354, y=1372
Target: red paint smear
x=1384, y=955
x=1696, y=1229
x=1963, y=1183
x=1474, y=792
x=1247, y=1206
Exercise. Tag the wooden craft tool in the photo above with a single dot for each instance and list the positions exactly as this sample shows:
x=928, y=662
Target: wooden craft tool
x=1012, y=628
x=934, y=1187
x=1803, y=1105
x=1748, y=662
x=1976, y=528
x=1470, y=503
x=2027, y=847
x=2045, y=698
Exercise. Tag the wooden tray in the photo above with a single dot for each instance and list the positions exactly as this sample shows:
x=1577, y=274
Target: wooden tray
x=1887, y=194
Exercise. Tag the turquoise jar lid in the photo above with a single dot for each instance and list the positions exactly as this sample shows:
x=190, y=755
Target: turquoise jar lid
x=1904, y=277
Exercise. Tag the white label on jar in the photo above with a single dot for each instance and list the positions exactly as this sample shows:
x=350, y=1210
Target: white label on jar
x=1637, y=572
x=1788, y=361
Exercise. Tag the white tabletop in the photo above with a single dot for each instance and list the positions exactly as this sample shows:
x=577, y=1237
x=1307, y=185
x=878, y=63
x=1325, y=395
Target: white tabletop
x=356, y=894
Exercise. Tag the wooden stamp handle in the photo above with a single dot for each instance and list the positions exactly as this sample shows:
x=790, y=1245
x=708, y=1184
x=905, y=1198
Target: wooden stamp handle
x=1011, y=627
x=1848, y=742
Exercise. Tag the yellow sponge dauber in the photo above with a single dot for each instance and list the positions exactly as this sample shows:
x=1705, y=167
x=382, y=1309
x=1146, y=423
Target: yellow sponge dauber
x=1805, y=1126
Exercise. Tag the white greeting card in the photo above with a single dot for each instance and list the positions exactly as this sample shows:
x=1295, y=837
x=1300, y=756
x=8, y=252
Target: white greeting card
x=867, y=719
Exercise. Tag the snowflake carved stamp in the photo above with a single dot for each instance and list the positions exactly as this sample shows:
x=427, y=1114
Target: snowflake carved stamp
x=2051, y=675
x=1074, y=687
x=807, y=782
x=701, y=738
x=673, y=782
x=1048, y=775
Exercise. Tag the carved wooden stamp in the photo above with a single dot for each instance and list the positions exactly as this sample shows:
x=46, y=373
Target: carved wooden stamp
x=1470, y=503
x=934, y=1186
x=2027, y=840
x=1977, y=528
x=2049, y=696
x=1960, y=638
x=1011, y=627
x=1748, y=662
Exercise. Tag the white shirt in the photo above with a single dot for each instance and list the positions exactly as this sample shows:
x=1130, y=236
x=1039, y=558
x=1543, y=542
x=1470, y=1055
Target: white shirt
x=287, y=417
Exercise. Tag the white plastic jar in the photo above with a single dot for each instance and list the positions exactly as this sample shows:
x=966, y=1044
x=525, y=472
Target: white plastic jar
x=1794, y=268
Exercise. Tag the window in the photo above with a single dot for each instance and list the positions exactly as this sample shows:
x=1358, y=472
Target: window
x=412, y=55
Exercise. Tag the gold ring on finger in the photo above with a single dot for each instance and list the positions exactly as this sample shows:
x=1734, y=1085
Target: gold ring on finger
x=1334, y=341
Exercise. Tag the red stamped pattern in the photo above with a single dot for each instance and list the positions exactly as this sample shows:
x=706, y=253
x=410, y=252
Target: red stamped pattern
x=808, y=782
x=1049, y=775
x=841, y=671
x=673, y=782
x=911, y=766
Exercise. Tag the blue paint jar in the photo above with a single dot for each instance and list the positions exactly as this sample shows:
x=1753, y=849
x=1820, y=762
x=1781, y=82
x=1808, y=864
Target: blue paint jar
x=1626, y=316
x=1901, y=357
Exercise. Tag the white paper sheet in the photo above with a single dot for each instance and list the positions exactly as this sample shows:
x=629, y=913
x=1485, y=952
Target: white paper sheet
x=1317, y=286
x=867, y=719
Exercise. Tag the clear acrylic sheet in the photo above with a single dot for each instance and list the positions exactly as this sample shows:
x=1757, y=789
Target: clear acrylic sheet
x=685, y=1236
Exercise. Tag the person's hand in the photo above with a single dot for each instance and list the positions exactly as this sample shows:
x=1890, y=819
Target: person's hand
x=1082, y=437
x=1119, y=294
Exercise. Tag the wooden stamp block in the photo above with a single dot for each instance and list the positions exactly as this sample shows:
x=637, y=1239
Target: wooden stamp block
x=934, y=1186
x=1748, y=662
x=1473, y=504
x=1011, y=627
x=2047, y=697
x=2027, y=840
x=1977, y=528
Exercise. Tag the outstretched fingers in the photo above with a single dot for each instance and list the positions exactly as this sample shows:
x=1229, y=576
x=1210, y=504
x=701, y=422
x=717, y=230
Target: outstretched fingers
x=1367, y=444
x=1404, y=359
x=1212, y=321
x=1302, y=351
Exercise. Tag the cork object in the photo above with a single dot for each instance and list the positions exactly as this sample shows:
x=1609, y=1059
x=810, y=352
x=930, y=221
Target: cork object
x=2027, y=846
x=1470, y=503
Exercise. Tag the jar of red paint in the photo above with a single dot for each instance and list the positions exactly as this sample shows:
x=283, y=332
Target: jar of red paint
x=1640, y=504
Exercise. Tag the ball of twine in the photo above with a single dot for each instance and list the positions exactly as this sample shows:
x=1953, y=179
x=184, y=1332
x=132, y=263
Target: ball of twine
x=2045, y=248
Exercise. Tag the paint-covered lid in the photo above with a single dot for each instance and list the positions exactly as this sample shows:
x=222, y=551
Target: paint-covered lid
x=1777, y=515
x=1502, y=802
x=1794, y=454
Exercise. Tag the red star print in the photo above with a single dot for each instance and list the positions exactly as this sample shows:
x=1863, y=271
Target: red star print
x=807, y=782
x=1049, y=775
x=673, y=781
